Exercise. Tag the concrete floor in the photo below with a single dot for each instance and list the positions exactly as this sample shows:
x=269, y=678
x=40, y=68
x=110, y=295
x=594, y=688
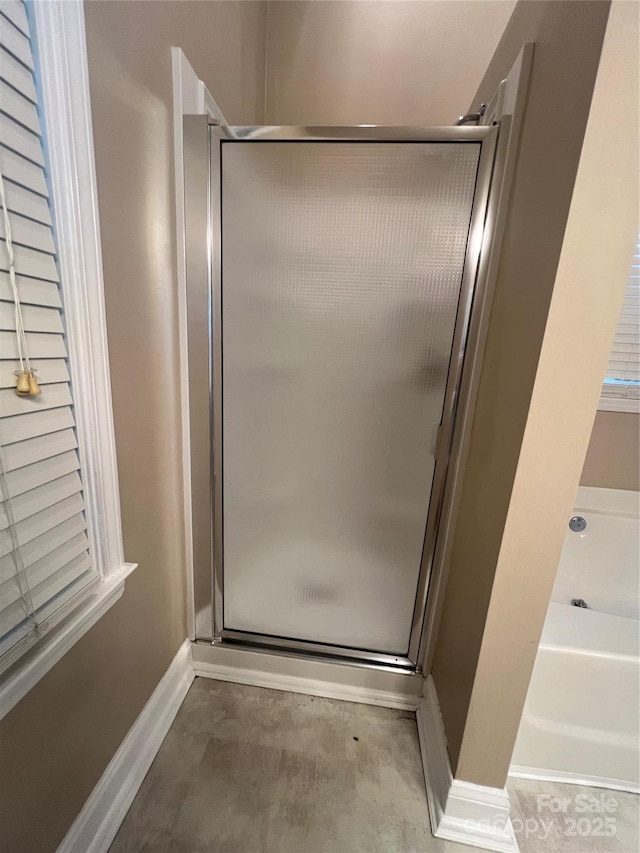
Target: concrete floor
x=244, y=769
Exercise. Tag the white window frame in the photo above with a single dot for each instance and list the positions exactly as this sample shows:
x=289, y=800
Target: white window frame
x=62, y=51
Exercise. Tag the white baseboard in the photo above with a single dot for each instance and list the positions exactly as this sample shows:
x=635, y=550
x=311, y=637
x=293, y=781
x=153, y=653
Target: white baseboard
x=370, y=686
x=95, y=827
x=518, y=772
x=459, y=811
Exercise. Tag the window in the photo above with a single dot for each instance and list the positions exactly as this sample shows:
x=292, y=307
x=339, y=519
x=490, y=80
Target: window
x=621, y=388
x=61, y=561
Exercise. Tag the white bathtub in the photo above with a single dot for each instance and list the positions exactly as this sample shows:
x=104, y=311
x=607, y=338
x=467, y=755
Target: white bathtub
x=582, y=715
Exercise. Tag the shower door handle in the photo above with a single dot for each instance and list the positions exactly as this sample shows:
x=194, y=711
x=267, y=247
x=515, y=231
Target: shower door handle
x=436, y=434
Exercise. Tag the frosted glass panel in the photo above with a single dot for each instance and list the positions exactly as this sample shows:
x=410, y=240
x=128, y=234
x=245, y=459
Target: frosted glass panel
x=341, y=272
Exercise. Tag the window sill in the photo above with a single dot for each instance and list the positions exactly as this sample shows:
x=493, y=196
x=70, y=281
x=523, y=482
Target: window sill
x=32, y=666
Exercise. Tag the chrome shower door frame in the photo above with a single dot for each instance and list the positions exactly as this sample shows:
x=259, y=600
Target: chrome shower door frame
x=210, y=626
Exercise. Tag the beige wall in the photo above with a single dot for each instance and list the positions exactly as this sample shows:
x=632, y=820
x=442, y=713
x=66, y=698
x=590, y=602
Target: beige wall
x=613, y=458
x=393, y=62
x=556, y=306
x=56, y=742
x=406, y=62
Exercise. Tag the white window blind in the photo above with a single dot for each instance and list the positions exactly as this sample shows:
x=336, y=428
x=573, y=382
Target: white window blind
x=623, y=371
x=45, y=563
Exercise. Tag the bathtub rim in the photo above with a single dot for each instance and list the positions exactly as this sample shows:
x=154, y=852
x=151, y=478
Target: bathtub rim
x=597, y=499
x=583, y=631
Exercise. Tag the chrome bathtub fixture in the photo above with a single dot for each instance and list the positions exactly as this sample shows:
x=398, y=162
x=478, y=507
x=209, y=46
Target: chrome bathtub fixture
x=579, y=602
x=578, y=524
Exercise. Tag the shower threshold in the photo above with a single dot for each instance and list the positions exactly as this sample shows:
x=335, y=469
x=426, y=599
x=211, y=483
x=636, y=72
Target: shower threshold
x=318, y=651
x=331, y=675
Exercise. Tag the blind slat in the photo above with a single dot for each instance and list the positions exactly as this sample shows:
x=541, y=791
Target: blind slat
x=20, y=140
x=33, y=291
x=22, y=427
x=51, y=397
x=31, y=503
x=33, y=235
x=42, y=569
x=44, y=592
x=43, y=521
x=31, y=476
x=29, y=262
x=626, y=348
x=26, y=203
x=15, y=42
x=32, y=450
x=23, y=172
x=621, y=370
x=20, y=109
x=15, y=74
x=70, y=582
x=48, y=371
x=40, y=547
x=14, y=11
x=35, y=318
x=40, y=344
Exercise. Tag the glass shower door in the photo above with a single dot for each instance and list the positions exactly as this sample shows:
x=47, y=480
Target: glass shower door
x=341, y=270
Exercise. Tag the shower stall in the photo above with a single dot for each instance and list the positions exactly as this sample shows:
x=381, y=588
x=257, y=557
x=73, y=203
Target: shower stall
x=331, y=279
